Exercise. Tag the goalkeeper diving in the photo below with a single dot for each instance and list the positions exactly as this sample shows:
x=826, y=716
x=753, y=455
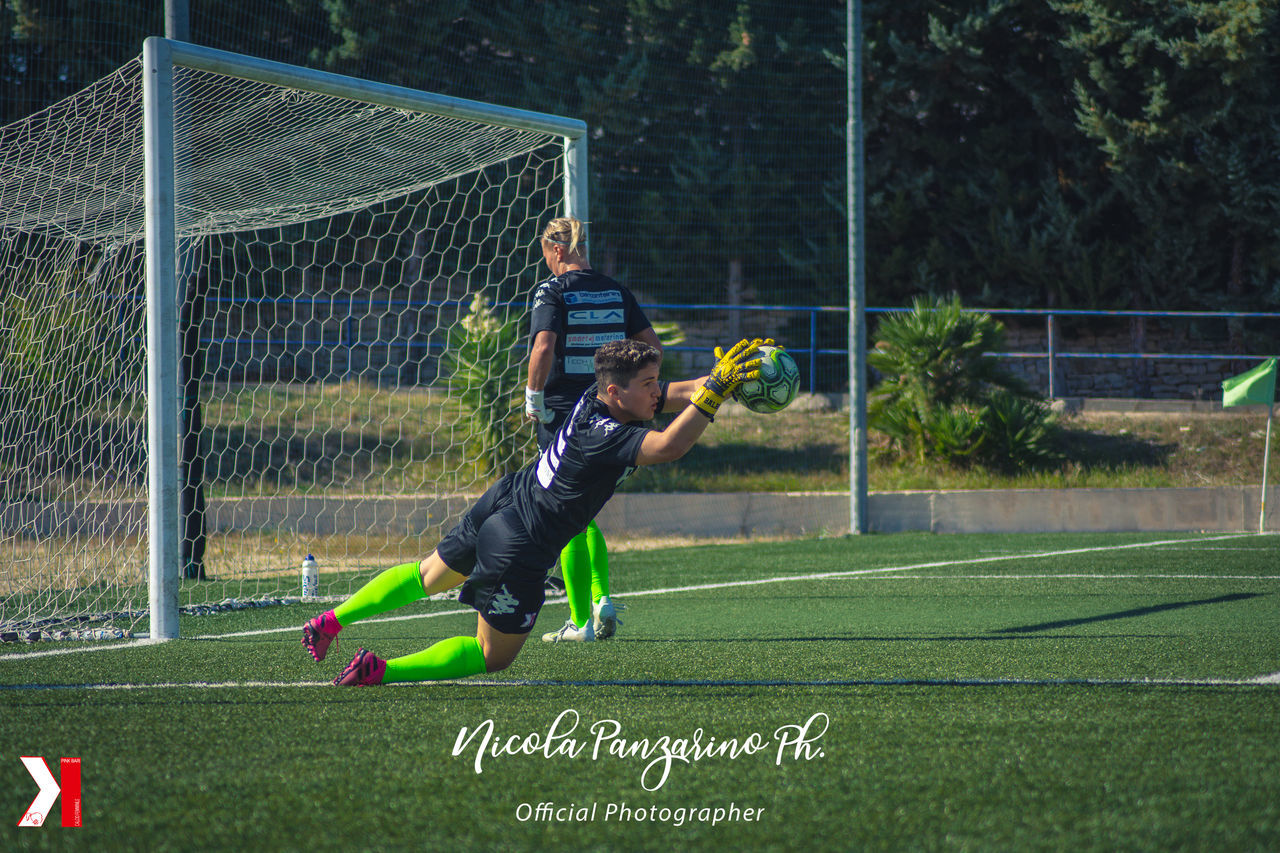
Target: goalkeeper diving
x=504, y=547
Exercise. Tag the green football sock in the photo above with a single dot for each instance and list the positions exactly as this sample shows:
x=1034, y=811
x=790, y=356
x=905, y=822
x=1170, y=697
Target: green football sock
x=599, y=561
x=575, y=566
x=456, y=657
x=393, y=588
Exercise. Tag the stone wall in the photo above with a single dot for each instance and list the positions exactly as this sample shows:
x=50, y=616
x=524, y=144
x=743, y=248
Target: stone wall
x=1143, y=378
x=393, y=335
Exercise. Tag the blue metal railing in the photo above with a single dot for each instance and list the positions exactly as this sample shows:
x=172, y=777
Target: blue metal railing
x=1051, y=354
x=349, y=336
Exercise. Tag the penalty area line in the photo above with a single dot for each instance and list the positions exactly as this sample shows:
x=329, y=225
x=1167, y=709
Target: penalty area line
x=1260, y=681
x=967, y=561
x=791, y=579
x=1075, y=576
x=81, y=649
x=851, y=573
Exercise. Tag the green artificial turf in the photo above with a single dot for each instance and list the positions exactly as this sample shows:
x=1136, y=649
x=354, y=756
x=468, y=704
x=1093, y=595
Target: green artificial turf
x=960, y=692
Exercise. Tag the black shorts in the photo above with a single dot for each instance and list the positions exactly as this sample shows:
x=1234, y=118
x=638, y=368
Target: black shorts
x=506, y=570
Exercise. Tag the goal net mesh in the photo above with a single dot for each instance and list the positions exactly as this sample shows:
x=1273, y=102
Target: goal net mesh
x=352, y=280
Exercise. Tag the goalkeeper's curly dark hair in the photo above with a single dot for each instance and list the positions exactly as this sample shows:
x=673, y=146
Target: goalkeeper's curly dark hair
x=618, y=362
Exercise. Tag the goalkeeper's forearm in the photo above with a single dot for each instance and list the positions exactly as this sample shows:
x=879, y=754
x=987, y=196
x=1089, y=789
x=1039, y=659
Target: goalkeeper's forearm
x=676, y=440
x=680, y=393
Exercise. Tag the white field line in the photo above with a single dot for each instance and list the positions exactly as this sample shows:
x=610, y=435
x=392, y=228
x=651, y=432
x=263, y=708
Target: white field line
x=719, y=585
x=1262, y=680
x=144, y=641
x=1235, y=550
x=561, y=599
x=1076, y=576
x=790, y=579
x=107, y=646
x=971, y=561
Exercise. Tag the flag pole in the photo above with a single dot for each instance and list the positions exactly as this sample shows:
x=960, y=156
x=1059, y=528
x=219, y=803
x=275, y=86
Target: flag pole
x=1255, y=386
x=1266, y=457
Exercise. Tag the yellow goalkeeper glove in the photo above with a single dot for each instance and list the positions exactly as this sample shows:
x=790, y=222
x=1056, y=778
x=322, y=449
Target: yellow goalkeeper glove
x=731, y=370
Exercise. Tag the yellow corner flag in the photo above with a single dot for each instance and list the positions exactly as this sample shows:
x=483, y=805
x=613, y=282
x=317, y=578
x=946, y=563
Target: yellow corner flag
x=1255, y=386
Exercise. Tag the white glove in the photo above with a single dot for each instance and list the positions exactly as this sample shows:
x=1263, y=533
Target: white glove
x=536, y=408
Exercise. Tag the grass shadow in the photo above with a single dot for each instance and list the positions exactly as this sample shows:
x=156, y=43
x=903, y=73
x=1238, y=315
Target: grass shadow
x=107, y=452
x=1100, y=451
x=239, y=454
x=1129, y=614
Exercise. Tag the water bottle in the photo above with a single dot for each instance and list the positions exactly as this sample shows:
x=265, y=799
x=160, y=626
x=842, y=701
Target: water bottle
x=310, y=577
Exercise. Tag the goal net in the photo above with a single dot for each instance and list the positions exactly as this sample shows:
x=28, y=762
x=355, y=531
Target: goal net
x=273, y=313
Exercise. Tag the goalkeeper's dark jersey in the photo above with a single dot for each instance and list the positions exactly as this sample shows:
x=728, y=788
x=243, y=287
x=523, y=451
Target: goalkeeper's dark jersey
x=585, y=309
x=573, y=478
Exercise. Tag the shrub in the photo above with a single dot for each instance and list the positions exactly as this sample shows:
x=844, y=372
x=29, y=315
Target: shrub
x=1019, y=434
x=51, y=356
x=942, y=395
x=487, y=373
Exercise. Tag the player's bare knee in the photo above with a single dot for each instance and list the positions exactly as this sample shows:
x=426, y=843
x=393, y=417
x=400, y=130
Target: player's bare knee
x=496, y=664
x=437, y=575
x=498, y=655
x=496, y=660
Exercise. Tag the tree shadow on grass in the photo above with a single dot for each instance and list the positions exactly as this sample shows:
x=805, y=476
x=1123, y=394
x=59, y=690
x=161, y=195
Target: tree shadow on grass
x=1111, y=452
x=1128, y=614
x=243, y=453
x=89, y=451
x=113, y=453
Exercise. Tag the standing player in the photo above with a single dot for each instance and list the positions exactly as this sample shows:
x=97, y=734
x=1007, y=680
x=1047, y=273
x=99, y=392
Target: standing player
x=503, y=548
x=574, y=312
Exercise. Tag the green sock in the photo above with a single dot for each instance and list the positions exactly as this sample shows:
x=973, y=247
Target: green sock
x=456, y=657
x=575, y=565
x=599, y=561
x=393, y=588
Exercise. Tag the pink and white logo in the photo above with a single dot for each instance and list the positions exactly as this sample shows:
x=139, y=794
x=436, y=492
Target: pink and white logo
x=38, y=811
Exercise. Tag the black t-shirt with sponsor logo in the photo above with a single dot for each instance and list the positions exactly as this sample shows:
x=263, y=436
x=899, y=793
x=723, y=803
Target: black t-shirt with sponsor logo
x=577, y=473
x=585, y=309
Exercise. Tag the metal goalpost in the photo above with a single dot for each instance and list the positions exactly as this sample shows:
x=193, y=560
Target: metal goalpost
x=163, y=235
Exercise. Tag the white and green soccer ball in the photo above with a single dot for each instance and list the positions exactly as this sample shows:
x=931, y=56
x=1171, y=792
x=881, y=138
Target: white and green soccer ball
x=777, y=385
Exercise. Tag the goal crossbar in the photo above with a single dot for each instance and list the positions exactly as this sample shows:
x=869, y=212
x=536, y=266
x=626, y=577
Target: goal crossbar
x=215, y=61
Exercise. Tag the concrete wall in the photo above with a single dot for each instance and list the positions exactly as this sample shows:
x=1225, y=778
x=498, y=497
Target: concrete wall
x=1014, y=511
x=721, y=515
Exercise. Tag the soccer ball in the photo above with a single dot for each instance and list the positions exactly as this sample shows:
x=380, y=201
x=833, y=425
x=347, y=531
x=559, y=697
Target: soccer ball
x=776, y=386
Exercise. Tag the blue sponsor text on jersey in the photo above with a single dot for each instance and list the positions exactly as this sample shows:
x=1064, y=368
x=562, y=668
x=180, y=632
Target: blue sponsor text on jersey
x=592, y=297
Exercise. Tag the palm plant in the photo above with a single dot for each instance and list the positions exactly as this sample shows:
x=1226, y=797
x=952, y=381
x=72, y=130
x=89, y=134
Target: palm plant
x=944, y=395
x=487, y=376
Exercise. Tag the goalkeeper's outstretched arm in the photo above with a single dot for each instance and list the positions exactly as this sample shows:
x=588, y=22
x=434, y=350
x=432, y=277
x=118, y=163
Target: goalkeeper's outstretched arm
x=680, y=393
x=705, y=394
x=668, y=445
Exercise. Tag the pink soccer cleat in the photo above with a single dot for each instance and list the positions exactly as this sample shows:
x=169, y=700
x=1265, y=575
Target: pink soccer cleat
x=365, y=668
x=318, y=633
